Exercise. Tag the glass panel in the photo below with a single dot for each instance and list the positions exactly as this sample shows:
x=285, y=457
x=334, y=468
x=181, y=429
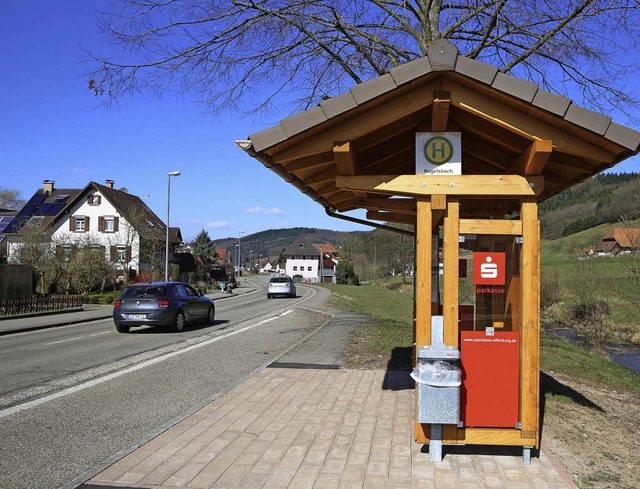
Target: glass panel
x=489, y=283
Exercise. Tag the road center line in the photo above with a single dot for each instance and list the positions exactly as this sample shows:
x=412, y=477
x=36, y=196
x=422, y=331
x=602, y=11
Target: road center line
x=80, y=387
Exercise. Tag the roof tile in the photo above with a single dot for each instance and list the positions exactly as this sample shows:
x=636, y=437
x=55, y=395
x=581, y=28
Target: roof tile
x=411, y=70
x=519, y=88
x=337, y=105
x=302, y=121
x=594, y=121
x=554, y=103
x=623, y=136
x=268, y=137
x=373, y=88
x=477, y=70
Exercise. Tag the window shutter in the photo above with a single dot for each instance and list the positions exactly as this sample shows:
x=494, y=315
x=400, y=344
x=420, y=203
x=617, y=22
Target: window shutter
x=114, y=253
x=116, y=224
x=72, y=224
x=86, y=224
x=89, y=200
x=128, y=253
x=101, y=224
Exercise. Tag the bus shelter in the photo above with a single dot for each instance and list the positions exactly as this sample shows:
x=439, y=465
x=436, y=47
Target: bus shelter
x=464, y=154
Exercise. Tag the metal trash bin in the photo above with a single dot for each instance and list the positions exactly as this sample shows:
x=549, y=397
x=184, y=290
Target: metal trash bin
x=439, y=378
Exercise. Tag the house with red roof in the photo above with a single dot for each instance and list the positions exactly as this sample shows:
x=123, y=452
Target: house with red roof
x=620, y=240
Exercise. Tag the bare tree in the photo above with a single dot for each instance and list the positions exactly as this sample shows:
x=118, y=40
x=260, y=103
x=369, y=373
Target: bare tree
x=89, y=271
x=34, y=248
x=249, y=54
x=10, y=199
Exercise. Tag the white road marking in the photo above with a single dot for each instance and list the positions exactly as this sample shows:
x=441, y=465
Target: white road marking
x=80, y=387
x=77, y=338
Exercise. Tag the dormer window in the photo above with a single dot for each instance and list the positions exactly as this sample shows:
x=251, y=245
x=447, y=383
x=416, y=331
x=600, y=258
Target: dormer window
x=150, y=223
x=301, y=245
x=59, y=199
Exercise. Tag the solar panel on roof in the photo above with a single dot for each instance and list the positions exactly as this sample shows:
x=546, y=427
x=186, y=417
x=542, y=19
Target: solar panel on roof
x=37, y=199
x=44, y=209
x=53, y=209
x=13, y=226
x=4, y=222
x=27, y=211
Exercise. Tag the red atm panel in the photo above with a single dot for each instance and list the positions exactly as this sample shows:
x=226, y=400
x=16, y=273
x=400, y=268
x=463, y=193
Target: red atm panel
x=490, y=379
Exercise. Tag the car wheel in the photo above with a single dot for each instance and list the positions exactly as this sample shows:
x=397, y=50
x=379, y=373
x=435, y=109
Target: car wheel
x=268, y=296
x=211, y=315
x=178, y=323
x=122, y=329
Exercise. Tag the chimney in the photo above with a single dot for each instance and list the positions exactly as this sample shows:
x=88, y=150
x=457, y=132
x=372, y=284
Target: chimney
x=109, y=183
x=47, y=186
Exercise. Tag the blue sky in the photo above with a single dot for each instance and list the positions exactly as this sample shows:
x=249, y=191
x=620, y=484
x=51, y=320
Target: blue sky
x=51, y=127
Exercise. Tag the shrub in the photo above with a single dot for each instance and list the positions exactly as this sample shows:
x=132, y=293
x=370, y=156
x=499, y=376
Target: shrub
x=549, y=290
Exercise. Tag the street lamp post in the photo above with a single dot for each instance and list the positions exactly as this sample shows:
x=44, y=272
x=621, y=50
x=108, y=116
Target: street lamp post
x=240, y=233
x=250, y=262
x=166, y=251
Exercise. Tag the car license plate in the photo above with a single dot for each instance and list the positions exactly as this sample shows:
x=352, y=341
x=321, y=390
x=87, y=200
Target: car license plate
x=137, y=316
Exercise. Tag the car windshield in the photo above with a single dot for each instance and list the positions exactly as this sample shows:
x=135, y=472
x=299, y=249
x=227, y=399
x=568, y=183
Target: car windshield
x=279, y=280
x=144, y=291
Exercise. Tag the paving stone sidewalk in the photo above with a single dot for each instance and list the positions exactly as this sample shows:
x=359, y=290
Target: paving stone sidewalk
x=317, y=428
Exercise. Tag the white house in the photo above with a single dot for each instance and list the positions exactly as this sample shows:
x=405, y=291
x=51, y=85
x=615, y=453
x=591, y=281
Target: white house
x=114, y=222
x=311, y=262
x=302, y=260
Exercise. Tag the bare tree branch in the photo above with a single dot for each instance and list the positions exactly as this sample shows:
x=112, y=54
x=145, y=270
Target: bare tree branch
x=250, y=54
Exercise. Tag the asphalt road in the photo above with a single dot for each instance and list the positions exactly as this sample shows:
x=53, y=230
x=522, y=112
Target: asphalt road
x=74, y=398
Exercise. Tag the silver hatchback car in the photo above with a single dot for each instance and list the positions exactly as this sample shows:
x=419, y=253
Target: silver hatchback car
x=281, y=286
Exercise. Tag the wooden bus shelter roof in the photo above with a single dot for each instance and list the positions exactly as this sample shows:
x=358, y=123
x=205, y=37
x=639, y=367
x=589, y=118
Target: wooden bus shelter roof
x=357, y=150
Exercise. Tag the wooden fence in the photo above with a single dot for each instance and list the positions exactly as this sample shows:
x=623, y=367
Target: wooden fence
x=39, y=304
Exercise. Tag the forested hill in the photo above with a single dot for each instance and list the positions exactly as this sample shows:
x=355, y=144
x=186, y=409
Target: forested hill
x=272, y=242
x=606, y=198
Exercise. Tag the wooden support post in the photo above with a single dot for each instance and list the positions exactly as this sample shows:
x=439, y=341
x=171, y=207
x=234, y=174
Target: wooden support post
x=450, y=292
x=422, y=326
x=530, y=315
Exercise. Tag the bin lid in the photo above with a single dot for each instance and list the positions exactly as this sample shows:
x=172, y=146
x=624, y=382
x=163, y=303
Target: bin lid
x=439, y=352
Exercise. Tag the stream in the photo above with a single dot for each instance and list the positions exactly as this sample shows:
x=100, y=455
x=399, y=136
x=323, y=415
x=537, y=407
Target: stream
x=627, y=356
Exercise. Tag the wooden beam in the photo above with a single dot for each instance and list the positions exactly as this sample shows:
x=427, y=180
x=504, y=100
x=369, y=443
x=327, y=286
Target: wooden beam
x=451, y=283
x=310, y=162
x=391, y=217
x=360, y=122
x=495, y=186
x=423, y=285
x=490, y=226
x=323, y=176
x=570, y=138
x=530, y=319
x=345, y=158
x=403, y=206
x=533, y=160
x=440, y=111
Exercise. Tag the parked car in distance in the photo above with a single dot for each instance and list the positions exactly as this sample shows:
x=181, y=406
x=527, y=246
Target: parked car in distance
x=172, y=304
x=281, y=286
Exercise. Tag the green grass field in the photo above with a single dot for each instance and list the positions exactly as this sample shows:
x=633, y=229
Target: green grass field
x=392, y=329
